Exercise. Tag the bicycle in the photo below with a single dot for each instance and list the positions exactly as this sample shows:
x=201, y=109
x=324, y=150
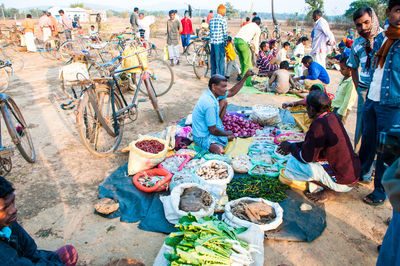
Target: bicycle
x=276, y=33
x=190, y=50
x=19, y=134
x=102, y=110
x=201, y=61
x=264, y=36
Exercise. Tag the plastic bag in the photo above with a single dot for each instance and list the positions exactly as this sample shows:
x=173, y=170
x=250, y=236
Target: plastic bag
x=265, y=115
x=171, y=204
x=166, y=54
x=132, y=61
x=235, y=222
x=72, y=73
x=140, y=160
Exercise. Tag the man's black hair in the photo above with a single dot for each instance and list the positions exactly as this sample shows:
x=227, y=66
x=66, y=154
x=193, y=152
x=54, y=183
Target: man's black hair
x=141, y=13
x=171, y=12
x=284, y=65
x=361, y=12
x=316, y=88
x=61, y=11
x=229, y=39
x=44, y=12
x=286, y=44
x=254, y=13
x=271, y=42
x=317, y=13
x=135, y=9
x=203, y=20
x=5, y=187
x=307, y=59
x=92, y=26
x=393, y=3
x=256, y=20
x=263, y=44
x=247, y=19
x=319, y=101
x=211, y=11
x=216, y=79
x=29, y=16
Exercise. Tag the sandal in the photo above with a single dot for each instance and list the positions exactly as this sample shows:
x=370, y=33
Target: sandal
x=373, y=200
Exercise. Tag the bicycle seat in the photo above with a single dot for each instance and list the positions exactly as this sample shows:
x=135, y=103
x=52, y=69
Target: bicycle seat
x=207, y=38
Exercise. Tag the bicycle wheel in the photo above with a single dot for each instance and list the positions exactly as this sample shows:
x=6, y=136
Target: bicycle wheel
x=162, y=76
x=276, y=35
x=201, y=63
x=67, y=48
x=190, y=52
x=4, y=80
x=153, y=99
x=94, y=135
x=18, y=130
x=263, y=36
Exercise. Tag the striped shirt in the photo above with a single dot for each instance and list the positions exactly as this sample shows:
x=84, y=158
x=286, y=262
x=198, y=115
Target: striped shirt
x=218, y=30
x=264, y=62
x=358, y=57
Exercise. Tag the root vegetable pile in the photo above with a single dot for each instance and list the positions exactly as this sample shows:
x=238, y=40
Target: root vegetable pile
x=240, y=126
x=255, y=212
x=257, y=187
x=150, y=146
x=261, y=169
x=194, y=199
x=213, y=171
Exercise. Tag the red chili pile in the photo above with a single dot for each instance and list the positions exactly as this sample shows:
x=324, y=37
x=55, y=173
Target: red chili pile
x=150, y=146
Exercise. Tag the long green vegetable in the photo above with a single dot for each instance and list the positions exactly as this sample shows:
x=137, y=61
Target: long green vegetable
x=257, y=187
x=202, y=241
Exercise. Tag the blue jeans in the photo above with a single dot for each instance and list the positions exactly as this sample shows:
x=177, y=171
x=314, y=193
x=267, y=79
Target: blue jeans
x=185, y=40
x=376, y=118
x=217, y=59
x=390, y=250
x=362, y=96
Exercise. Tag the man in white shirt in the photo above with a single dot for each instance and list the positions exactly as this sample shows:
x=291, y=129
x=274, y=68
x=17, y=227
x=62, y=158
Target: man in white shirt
x=45, y=25
x=322, y=38
x=283, y=53
x=248, y=36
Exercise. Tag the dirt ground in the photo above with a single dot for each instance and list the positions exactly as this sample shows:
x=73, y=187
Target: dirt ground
x=55, y=195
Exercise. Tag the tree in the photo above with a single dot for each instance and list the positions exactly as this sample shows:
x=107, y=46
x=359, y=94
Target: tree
x=81, y=5
x=314, y=5
x=231, y=11
x=378, y=5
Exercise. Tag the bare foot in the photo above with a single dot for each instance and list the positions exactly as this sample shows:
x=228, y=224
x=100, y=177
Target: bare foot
x=322, y=196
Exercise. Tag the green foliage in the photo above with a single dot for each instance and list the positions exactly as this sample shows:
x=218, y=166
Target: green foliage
x=314, y=5
x=81, y=5
x=231, y=12
x=124, y=14
x=378, y=5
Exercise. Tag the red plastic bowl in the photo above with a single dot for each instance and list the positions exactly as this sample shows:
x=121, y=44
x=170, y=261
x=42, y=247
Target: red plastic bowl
x=161, y=185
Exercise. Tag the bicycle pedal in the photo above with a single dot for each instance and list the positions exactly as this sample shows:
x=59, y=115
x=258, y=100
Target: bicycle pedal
x=6, y=152
x=142, y=100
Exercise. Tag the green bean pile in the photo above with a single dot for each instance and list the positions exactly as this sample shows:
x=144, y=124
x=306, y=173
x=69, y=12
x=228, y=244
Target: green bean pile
x=257, y=187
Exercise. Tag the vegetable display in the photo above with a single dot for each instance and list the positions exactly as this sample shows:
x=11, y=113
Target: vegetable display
x=239, y=126
x=292, y=137
x=150, y=146
x=241, y=164
x=206, y=241
x=172, y=164
x=194, y=199
x=255, y=212
x=212, y=171
x=149, y=181
x=257, y=187
x=265, y=170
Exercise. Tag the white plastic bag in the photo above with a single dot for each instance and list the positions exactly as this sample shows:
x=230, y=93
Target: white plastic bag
x=265, y=115
x=171, y=204
x=73, y=73
x=235, y=222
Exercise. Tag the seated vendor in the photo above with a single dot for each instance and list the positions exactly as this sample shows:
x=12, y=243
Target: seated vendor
x=326, y=139
x=16, y=246
x=315, y=87
x=315, y=73
x=207, y=128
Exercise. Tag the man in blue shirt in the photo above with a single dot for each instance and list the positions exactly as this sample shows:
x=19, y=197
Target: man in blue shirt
x=218, y=37
x=382, y=108
x=207, y=128
x=316, y=74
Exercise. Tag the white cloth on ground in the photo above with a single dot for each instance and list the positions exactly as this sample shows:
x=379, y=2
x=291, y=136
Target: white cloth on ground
x=30, y=42
x=312, y=172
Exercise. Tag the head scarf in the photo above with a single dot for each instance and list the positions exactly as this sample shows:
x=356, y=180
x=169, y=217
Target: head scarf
x=369, y=44
x=392, y=34
x=221, y=9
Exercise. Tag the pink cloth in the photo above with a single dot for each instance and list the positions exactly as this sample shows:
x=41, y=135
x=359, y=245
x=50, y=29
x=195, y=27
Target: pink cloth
x=68, y=255
x=45, y=21
x=66, y=22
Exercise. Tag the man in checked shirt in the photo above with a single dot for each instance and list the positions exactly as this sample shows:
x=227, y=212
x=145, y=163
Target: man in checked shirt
x=218, y=38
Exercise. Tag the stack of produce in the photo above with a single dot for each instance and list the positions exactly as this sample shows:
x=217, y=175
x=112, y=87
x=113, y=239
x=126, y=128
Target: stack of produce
x=240, y=126
x=206, y=241
x=150, y=146
x=255, y=212
x=213, y=171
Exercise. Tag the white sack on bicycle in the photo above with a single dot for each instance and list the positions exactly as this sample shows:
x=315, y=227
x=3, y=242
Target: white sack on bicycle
x=73, y=73
x=140, y=160
x=132, y=61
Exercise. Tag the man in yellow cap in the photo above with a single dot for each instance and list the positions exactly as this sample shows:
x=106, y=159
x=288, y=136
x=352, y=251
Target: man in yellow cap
x=218, y=38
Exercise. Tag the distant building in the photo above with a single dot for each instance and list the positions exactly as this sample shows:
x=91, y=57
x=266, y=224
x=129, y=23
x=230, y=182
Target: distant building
x=85, y=15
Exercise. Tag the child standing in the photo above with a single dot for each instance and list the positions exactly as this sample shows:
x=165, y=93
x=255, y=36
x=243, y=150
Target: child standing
x=346, y=94
x=174, y=28
x=230, y=59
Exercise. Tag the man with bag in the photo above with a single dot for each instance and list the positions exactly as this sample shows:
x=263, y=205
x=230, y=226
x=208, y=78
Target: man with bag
x=207, y=128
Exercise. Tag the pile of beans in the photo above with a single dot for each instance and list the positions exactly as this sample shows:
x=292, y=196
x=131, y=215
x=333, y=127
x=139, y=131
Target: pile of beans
x=150, y=146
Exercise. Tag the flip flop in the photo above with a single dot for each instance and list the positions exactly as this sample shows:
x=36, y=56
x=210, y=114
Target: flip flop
x=373, y=200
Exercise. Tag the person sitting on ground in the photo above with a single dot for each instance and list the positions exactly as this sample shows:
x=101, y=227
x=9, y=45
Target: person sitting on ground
x=346, y=94
x=230, y=60
x=210, y=109
x=343, y=51
x=314, y=74
x=80, y=30
x=281, y=81
x=299, y=51
x=264, y=60
x=302, y=102
x=282, y=55
x=326, y=139
x=16, y=246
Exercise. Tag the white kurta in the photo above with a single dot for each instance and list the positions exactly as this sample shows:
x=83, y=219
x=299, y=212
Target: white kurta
x=321, y=35
x=30, y=42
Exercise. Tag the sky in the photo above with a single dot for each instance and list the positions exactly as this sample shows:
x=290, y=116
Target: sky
x=332, y=7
